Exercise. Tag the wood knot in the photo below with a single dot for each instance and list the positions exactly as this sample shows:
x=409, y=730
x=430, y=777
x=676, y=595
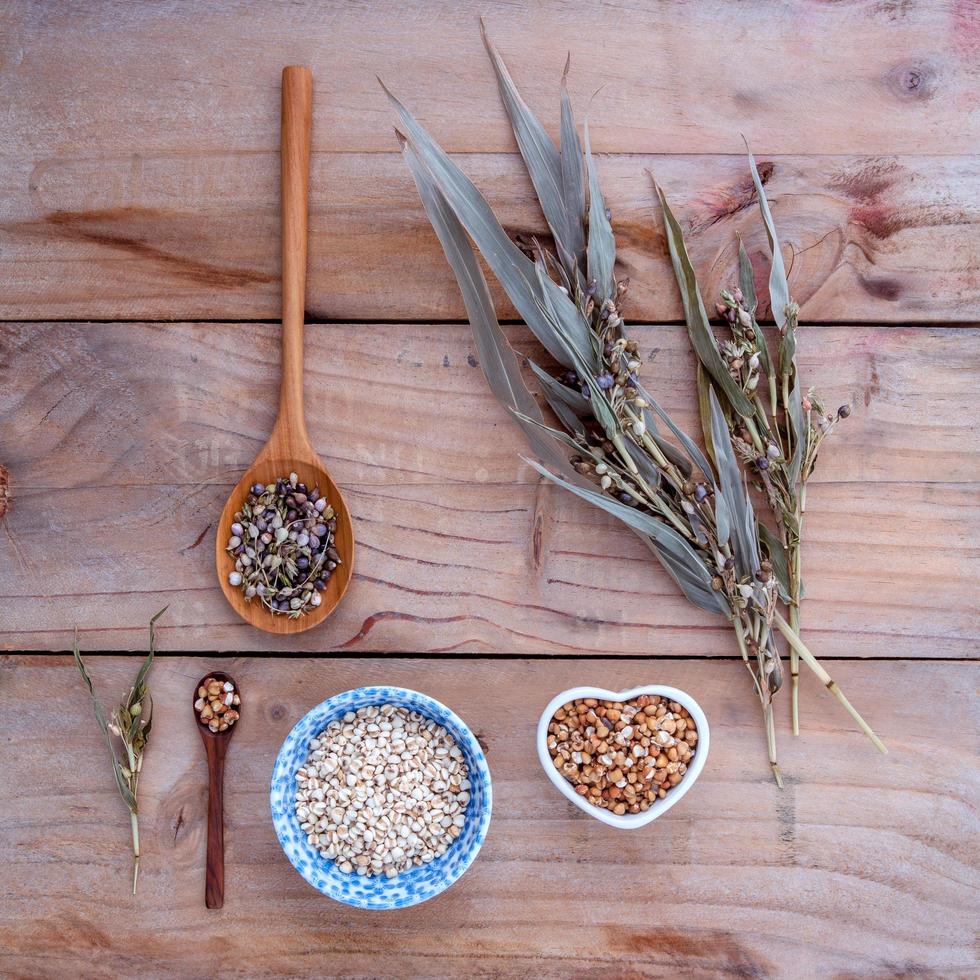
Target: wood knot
x=882, y=287
x=916, y=82
x=277, y=712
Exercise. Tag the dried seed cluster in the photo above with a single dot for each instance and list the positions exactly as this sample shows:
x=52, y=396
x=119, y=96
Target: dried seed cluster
x=282, y=541
x=4, y=490
x=217, y=704
x=622, y=756
x=383, y=790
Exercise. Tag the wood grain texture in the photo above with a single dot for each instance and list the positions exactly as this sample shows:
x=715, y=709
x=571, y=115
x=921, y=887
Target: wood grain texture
x=124, y=440
x=199, y=78
x=195, y=234
x=166, y=207
x=862, y=866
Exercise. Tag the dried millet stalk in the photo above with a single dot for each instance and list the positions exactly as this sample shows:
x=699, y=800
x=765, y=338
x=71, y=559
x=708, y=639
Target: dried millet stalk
x=690, y=507
x=4, y=490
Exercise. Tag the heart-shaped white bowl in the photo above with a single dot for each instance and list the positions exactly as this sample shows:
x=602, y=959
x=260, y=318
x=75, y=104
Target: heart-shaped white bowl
x=629, y=821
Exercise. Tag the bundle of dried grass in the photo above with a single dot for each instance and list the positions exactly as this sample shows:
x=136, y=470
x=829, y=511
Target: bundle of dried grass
x=616, y=447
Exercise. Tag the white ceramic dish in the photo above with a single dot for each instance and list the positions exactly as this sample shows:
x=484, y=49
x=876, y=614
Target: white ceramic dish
x=629, y=821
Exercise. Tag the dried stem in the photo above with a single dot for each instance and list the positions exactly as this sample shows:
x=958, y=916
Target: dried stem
x=811, y=661
x=764, y=697
x=134, y=822
x=129, y=728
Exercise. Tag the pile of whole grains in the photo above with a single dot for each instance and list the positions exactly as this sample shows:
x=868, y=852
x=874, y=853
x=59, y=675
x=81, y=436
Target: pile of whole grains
x=622, y=756
x=383, y=790
x=282, y=543
x=217, y=704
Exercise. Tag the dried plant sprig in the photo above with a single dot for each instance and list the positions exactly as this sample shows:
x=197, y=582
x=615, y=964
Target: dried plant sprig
x=777, y=440
x=5, y=494
x=695, y=514
x=126, y=735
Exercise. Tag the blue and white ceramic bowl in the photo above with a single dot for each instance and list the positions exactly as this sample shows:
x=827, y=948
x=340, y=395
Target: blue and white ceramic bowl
x=413, y=886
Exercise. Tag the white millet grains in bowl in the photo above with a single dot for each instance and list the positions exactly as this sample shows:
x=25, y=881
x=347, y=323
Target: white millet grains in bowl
x=383, y=790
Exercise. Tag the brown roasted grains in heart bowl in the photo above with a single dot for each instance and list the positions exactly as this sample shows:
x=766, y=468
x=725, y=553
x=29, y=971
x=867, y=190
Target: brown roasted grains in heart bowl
x=622, y=756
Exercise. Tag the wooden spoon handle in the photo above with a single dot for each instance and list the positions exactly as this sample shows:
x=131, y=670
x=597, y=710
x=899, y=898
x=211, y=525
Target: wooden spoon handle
x=214, y=871
x=297, y=110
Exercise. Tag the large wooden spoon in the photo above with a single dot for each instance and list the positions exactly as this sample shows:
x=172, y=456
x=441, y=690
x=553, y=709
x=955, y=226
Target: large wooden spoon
x=288, y=449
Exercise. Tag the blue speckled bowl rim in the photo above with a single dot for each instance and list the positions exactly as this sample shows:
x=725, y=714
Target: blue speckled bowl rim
x=358, y=698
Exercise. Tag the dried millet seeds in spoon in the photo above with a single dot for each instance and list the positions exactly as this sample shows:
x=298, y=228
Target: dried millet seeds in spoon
x=282, y=541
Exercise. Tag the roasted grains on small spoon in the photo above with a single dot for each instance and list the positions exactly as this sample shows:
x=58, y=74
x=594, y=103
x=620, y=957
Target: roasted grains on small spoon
x=217, y=704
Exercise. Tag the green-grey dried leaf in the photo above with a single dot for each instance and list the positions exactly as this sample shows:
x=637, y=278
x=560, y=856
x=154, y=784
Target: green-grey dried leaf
x=684, y=562
x=601, y=246
x=645, y=466
x=787, y=348
x=800, y=432
x=698, y=327
x=731, y=487
x=535, y=423
x=723, y=519
x=746, y=278
x=704, y=409
x=670, y=451
x=510, y=265
x=139, y=685
x=573, y=179
x=598, y=404
x=559, y=398
x=693, y=590
x=692, y=448
x=746, y=282
x=541, y=158
x=575, y=400
x=496, y=357
x=777, y=556
x=778, y=284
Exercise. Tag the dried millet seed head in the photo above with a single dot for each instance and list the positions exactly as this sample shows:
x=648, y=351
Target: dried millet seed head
x=4, y=490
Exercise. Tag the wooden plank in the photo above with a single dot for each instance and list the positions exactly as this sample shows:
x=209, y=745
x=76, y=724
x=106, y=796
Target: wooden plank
x=166, y=235
x=138, y=404
x=891, y=571
x=193, y=78
x=124, y=440
x=862, y=866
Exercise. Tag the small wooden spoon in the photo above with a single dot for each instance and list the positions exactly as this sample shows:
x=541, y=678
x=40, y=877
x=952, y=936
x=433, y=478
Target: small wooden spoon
x=216, y=747
x=288, y=449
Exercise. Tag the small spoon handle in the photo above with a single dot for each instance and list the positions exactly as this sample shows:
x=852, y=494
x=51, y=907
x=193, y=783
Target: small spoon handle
x=214, y=872
x=297, y=111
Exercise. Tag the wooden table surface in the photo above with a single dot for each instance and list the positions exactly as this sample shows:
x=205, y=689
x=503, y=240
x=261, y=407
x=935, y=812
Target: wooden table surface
x=139, y=245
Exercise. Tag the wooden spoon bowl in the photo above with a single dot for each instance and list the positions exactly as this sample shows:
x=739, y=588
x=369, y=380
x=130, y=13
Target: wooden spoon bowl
x=288, y=449
x=271, y=464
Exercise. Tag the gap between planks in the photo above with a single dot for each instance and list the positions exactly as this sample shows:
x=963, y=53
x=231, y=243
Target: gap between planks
x=434, y=322
x=504, y=657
